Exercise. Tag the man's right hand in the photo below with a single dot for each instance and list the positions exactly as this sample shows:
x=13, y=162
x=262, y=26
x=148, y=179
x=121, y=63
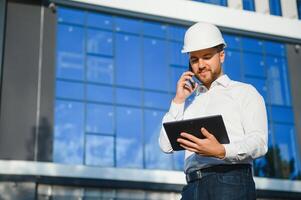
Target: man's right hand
x=184, y=90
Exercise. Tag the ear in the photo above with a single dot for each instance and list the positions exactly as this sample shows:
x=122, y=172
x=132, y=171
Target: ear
x=222, y=55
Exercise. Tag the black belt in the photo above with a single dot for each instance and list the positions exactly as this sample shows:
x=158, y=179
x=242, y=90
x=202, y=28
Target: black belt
x=198, y=174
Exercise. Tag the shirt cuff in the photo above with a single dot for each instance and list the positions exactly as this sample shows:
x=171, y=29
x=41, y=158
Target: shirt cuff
x=176, y=110
x=231, y=151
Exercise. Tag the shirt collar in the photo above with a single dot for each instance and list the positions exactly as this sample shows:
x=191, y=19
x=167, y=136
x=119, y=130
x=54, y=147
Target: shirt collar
x=223, y=80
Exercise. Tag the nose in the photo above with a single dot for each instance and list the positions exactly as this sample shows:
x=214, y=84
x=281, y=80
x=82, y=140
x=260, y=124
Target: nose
x=201, y=63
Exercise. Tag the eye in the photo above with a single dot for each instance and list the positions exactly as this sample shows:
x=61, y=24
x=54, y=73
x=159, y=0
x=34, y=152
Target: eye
x=207, y=57
x=193, y=60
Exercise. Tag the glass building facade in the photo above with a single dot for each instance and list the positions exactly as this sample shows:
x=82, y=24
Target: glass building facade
x=116, y=76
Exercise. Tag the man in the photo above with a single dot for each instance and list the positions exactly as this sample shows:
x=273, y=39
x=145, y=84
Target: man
x=217, y=171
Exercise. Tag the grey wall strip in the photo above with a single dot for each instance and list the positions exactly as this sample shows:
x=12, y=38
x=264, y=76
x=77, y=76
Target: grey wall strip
x=294, y=71
x=2, y=27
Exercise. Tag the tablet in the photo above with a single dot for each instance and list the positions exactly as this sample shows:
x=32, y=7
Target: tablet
x=214, y=124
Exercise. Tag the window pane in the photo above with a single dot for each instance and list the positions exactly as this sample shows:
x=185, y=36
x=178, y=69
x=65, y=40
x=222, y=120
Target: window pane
x=100, y=69
x=155, y=64
x=68, y=132
x=282, y=114
x=176, y=33
x=175, y=55
x=100, y=119
x=98, y=20
x=277, y=80
x=248, y=5
x=274, y=48
x=100, y=93
x=233, y=42
x=67, y=15
x=232, y=65
x=70, y=52
x=252, y=45
x=275, y=7
x=254, y=65
x=69, y=90
x=285, y=150
x=128, y=60
x=179, y=160
x=129, y=137
x=128, y=97
x=299, y=8
x=154, y=29
x=154, y=157
x=128, y=25
x=99, y=150
x=157, y=100
x=100, y=42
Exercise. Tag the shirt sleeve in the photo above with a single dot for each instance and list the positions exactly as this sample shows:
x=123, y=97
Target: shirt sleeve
x=175, y=113
x=254, y=121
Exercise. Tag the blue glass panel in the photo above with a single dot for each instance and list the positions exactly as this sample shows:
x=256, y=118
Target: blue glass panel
x=128, y=60
x=233, y=42
x=68, y=132
x=100, y=42
x=99, y=151
x=282, y=114
x=286, y=155
x=215, y=2
x=154, y=29
x=155, y=65
x=154, y=157
x=254, y=65
x=274, y=48
x=232, y=65
x=128, y=25
x=98, y=20
x=277, y=81
x=179, y=160
x=70, y=52
x=275, y=7
x=299, y=8
x=175, y=55
x=157, y=100
x=259, y=84
x=252, y=45
x=100, y=119
x=69, y=90
x=176, y=33
x=100, y=69
x=129, y=145
x=73, y=16
x=100, y=93
x=175, y=74
x=128, y=97
x=248, y=5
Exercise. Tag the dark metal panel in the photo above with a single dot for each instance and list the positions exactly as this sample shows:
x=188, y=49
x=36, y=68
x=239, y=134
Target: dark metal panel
x=294, y=70
x=2, y=27
x=26, y=118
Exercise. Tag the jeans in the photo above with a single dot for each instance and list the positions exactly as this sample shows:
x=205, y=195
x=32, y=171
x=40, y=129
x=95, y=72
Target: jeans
x=236, y=184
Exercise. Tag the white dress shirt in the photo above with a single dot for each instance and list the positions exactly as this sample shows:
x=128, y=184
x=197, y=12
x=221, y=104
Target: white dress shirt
x=244, y=114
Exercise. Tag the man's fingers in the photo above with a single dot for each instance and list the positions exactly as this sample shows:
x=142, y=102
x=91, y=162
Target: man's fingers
x=190, y=137
x=187, y=143
x=207, y=134
x=189, y=148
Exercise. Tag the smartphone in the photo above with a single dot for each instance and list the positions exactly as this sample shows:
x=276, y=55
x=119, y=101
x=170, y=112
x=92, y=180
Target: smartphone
x=192, y=83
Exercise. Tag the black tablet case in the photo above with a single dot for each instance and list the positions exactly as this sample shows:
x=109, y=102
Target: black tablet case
x=214, y=124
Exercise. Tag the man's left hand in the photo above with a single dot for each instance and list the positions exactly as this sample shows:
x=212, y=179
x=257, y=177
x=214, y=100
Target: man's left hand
x=209, y=146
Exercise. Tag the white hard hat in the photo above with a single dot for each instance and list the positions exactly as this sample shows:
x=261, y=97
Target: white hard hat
x=202, y=36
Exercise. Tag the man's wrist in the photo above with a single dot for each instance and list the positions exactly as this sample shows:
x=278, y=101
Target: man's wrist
x=178, y=100
x=222, y=152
